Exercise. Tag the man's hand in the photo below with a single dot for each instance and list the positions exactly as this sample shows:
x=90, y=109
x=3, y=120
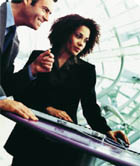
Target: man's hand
x=118, y=134
x=18, y=108
x=43, y=63
x=58, y=113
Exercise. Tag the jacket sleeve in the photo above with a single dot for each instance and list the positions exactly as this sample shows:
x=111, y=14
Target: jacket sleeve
x=2, y=93
x=30, y=94
x=91, y=109
x=14, y=83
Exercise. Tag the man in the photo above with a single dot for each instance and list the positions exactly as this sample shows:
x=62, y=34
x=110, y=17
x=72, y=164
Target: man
x=31, y=13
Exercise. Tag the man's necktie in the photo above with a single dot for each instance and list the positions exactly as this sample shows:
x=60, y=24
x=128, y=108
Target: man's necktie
x=9, y=36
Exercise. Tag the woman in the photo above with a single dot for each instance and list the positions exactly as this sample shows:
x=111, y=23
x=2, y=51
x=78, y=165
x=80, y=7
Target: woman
x=72, y=79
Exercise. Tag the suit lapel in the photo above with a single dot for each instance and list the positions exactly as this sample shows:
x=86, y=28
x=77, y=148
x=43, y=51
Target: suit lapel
x=2, y=24
x=14, y=50
x=12, y=53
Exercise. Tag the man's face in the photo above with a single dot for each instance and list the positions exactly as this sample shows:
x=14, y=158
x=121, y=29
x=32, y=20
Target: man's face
x=37, y=14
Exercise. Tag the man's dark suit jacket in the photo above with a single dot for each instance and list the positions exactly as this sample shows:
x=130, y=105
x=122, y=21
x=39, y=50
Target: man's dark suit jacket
x=10, y=81
x=62, y=88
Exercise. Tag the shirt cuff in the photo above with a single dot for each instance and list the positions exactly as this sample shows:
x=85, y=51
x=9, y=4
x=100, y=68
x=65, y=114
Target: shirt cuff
x=2, y=97
x=30, y=73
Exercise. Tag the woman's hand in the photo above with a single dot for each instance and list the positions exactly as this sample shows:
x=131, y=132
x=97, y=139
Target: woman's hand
x=59, y=113
x=118, y=134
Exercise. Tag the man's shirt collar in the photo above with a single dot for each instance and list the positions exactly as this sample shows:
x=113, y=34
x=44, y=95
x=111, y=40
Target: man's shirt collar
x=10, y=18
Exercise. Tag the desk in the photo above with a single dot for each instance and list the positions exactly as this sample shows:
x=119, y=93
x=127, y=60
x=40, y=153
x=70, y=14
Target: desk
x=88, y=144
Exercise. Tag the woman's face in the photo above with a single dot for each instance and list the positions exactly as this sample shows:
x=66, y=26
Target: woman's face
x=78, y=40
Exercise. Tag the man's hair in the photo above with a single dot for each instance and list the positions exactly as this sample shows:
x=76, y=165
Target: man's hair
x=33, y=1
x=64, y=27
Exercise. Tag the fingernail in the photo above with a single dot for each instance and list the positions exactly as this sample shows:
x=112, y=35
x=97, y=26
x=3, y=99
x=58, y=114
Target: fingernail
x=36, y=118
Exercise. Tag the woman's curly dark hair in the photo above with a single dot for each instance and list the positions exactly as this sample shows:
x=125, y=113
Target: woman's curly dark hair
x=65, y=26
